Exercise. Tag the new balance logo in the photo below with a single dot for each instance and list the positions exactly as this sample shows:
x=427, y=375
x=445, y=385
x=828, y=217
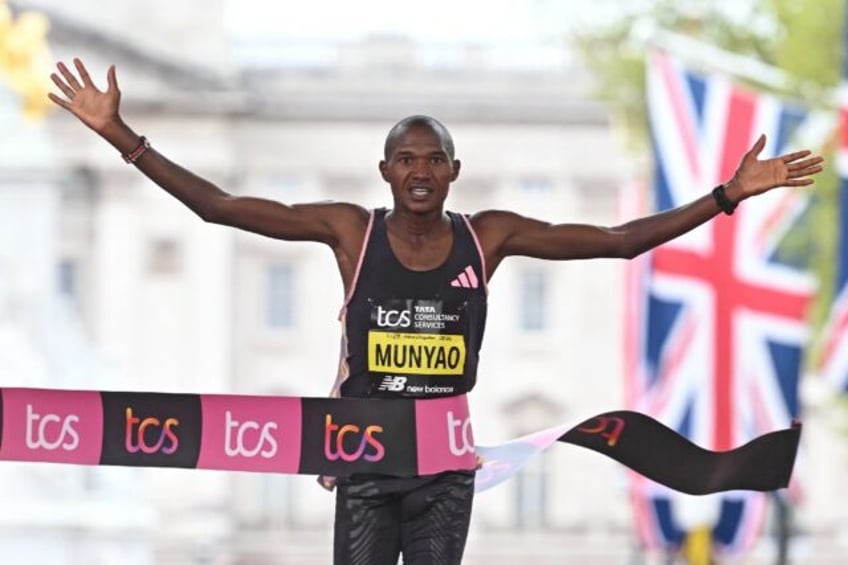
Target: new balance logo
x=466, y=279
x=392, y=384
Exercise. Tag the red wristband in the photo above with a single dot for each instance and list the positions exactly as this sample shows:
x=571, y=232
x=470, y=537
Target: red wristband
x=132, y=156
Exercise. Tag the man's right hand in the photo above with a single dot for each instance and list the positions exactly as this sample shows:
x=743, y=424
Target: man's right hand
x=95, y=108
x=342, y=226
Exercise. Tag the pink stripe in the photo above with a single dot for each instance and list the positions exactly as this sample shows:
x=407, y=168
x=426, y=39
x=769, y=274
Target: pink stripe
x=778, y=217
x=671, y=78
x=631, y=198
x=444, y=435
x=455, y=283
x=463, y=280
x=53, y=426
x=545, y=438
x=479, y=251
x=646, y=527
x=741, y=114
x=471, y=276
x=671, y=359
x=842, y=152
x=250, y=433
x=633, y=289
x=835, y=335
x=343, y=371
x=358, y=263
x=343, y=353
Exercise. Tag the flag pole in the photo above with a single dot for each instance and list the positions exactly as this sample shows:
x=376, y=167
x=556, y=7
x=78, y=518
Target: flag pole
x=712, y=57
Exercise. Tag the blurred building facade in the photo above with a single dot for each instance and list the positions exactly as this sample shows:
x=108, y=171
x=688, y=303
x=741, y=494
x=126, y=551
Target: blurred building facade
x=176, y=305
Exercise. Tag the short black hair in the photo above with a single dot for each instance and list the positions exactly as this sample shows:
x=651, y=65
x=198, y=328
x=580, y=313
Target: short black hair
x=418, y=120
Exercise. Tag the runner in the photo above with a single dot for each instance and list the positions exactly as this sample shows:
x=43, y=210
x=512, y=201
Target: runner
x=415, y=278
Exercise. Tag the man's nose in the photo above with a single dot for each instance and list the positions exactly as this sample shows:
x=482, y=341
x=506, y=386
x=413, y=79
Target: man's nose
x=421, y=168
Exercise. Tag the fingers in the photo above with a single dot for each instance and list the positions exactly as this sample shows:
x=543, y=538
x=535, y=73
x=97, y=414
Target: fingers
x=805, y=168
x=813, y=163
x=799, y=182
x=758, y=146
x=70, y=79
x=805, y=172
x=68, y=83
x=789, y=157
x=83, y=72
x=56, y=100
x=798, y=174
x=112, y=78
x=66, y=90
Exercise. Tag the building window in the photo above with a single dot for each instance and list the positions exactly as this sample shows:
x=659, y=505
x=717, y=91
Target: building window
x=534, y=297
x=531, y=496
x=68, y=281
x=279, y=296
x=281, y=186
x=277, y=503
x=164, y=257
x=535, y=186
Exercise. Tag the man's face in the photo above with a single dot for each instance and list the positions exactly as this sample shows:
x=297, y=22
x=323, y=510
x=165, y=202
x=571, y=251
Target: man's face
x=419, y=170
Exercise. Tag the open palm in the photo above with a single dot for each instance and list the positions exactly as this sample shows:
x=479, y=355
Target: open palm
x=94, y=107
x=792, y=169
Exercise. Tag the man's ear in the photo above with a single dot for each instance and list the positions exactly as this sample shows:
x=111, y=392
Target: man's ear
x=456, y=166
x=384, y=170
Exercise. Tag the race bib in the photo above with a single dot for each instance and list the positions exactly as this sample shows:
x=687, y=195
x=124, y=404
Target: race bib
x=412, y=342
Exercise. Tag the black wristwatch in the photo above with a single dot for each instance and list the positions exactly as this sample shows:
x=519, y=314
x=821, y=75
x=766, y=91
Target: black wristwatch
x=723, y=201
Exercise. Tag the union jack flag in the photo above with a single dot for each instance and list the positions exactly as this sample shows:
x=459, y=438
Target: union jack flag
x=720, y=322
x=833, y=365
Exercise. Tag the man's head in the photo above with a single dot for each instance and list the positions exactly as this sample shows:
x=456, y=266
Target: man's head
x=418, y=120
x=419, y=163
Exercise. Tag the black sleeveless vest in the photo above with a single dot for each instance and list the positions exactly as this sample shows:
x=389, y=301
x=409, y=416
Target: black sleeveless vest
x=413, y=333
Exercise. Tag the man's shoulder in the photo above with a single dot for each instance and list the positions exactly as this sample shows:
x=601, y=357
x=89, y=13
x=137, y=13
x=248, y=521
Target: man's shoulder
x=492, y=227
x=491, y=218
x=345, y=207
x=346, y=211
x=347, y=221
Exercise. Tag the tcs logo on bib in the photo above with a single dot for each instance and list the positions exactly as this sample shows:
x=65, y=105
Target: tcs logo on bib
x=393, y=318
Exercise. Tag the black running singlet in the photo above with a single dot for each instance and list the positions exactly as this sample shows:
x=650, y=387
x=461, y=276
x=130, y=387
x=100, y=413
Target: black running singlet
x=413, y=333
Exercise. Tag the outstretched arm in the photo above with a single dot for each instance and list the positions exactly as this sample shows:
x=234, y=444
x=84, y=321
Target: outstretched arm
x=100, y=111
x=504, y=233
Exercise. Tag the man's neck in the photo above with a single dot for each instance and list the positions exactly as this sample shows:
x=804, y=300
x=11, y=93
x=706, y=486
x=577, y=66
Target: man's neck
x=411, y=226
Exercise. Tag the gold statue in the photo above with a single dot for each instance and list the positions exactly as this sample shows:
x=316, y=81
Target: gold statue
x=25, y=59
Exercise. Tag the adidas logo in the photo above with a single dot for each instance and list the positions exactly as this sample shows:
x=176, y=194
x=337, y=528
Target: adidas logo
x=466, y=279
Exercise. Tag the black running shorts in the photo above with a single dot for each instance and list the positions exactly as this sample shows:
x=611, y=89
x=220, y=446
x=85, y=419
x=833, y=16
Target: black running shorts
x=425, y=519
